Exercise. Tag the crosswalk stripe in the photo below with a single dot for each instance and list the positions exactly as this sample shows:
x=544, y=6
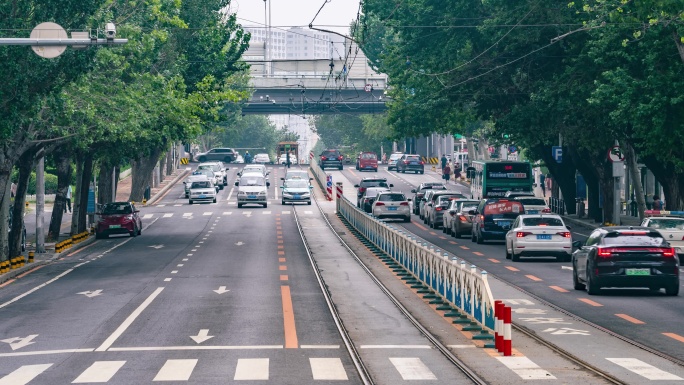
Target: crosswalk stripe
x=266, y=212
x=251, y=369
x=187, y=214
x=24, y=374
x=207, y=213
x=525, y=368
x=99, y=371
x=177, y=205
x=161, y=205
x=643, y=369
x=227, y=213
x=308, y=212
x=148, y=216
x=176, y=370
x=286, y=212
x=168, y=215
x=412, y=369
x=327, y=369
x=247, y=213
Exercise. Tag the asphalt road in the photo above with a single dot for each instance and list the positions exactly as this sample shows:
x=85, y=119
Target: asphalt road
x=652, y=319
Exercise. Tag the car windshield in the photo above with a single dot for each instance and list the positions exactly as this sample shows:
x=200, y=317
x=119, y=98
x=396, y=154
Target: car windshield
x=667, y=224
x=201, y=184
x=635, y=239
x=368, y=156
x=371, y=193
x=296, y=175
x=117, y=208
x=448, y=197
x=391, y=198
x=250, y=180
x=374, y=183
x=396, y=156
x=413, y=157
x=542, y=221
x=532, y=201
x=206, y=167
x=296, y=183
x=252, y=169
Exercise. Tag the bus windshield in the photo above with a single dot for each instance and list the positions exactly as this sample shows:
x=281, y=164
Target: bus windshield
x=492, y=179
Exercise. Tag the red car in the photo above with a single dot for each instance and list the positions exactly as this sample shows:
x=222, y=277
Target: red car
x=118, y=218
x=367, y=161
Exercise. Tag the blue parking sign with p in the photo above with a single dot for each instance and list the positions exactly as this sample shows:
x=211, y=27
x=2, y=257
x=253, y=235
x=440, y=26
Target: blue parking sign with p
x=557, y=153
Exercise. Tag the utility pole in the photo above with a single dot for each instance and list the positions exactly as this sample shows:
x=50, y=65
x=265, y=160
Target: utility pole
x=40, y=205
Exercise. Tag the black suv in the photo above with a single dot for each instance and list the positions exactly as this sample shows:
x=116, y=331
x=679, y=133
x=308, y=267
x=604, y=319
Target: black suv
x=221, y=154
x=410, y=162
x=332, y=158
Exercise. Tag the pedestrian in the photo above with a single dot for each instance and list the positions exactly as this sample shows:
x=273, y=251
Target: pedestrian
x=542, y=184
x=68, y=199
x=248, y=158
x=384, y=158
x=444, y=161
x=657, y=203
x=13, y=190
x=287, y=159
x=446, y=173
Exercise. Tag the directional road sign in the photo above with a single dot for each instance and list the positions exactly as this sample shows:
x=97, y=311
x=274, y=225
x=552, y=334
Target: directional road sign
x=557, y=153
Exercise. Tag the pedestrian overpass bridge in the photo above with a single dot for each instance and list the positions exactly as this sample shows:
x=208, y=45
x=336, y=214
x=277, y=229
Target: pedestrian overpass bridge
x=314, y=87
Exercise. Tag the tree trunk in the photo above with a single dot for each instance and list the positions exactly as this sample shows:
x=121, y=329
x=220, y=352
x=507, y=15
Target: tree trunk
x=564, y=176
x=591, y=177
x=64, y=170
x=672, y=182
x=169, y=161
x=162, y=167
x=75, y=202
x=635, y=175
x=680, y=45
x=142, y=174
x=4, y=217
x=104, y=183
x=86, y=177
x=26, y=164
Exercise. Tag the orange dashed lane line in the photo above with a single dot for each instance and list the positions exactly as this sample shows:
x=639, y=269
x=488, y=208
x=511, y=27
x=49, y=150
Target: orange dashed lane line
x=465, y=247
x=7, y=283
x=478, y=253
x=282, y=260
x=453, y=243
x=419, y=226
x=675, y=336
x=441, y=237
x=289, y=319
x=282, y=268
x=532, y=277
x=283, y=278
x=590, y=302
x=433, y=233
x=30, y=271
x=558, y=288
x=281, y=253
x=511, y=268
x=494, y=260
x=81, y=249
x=630, y=319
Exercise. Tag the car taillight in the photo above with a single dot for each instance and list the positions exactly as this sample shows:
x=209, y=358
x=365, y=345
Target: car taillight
x=604, y=253
x=340, y=157
x=546, y=211
x=522, y=234
x=565, y=234
x=463, y=218
x=403, y=204
x=323, y=158
x=421, y=162
x=379, y=204
x=668, y=252
x=482, y=221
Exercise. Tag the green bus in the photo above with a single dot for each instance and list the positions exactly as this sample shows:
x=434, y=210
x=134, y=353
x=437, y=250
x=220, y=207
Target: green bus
x=493, y=178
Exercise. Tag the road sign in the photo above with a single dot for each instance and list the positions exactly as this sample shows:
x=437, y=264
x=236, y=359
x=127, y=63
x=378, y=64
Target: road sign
x=615, y=154
x=512, y=149
x=557, y=153
x=368, y=88
x=49, y=31
x=184, y=160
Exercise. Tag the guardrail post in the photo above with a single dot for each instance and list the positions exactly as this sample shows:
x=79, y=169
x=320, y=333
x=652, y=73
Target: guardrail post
x=498, y=326
x=507, y=345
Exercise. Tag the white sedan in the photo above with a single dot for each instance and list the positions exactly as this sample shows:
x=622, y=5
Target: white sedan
x=536, y=235
x=262, y=158
x=392, y=205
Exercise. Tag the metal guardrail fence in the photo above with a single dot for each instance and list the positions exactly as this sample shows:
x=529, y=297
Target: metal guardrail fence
x=557, y=205
x=321, y=178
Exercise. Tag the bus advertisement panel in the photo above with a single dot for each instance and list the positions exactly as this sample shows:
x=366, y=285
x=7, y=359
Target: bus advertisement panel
x=492, y=179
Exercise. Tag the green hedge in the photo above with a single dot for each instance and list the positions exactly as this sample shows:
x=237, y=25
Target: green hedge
x=50, y=183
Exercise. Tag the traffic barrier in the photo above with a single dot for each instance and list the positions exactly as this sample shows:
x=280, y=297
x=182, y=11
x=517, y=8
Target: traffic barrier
x=339, y=190
x=507, y=345
x=31, y=255
x=4, y=267
x=328, y=187
x=322, y=179
x=498, y=331
x=452, y=281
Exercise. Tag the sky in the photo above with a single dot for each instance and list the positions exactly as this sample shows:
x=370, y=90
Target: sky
x=288, y=13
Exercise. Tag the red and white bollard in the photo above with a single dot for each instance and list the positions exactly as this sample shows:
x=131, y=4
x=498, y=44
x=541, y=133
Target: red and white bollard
x=338, y=187
x=507, y=346
x=328, y=189
x=498, y=325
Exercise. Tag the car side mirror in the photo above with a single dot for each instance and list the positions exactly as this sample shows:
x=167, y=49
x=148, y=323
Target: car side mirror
x=472, y=212
x=409, y=199
x=577, y=244
x=391, y=185
x=429, y=204
x=568, y=227
x=237, y=183
x=310, y=187
x=356, y=185
x=310, y=178
x=268, y=184
x=282, y=178
x=239, y=173
x=136, y=211
x=413, y=190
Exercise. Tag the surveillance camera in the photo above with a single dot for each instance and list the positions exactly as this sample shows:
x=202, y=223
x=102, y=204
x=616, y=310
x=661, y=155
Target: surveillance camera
x=110, y=31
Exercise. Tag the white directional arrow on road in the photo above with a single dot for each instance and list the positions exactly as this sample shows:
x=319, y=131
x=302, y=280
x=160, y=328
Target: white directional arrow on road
x=566, y=267
x=91, y=294
x=18, y=342
x=221, y=290
x=202, y=336
x=157, y=246
x=239, y=244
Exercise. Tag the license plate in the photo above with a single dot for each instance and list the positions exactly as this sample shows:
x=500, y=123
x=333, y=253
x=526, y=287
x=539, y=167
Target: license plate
x=296, y=197
x=544, y=236
x=638, y=271
x=251, y=196
x=392, y=208
x=202, y=196
x=504, y=223
x=114, y=226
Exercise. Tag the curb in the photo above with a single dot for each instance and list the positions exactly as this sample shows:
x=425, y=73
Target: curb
x=53, y=256
x=580, y=223
x=166, y=188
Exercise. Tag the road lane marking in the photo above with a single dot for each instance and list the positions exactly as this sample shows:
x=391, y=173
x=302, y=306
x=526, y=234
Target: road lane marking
x=251, y=369
x=230, y=194
x=412, y=369
x=208, y=347
x=12, y=280
x=178, y=205
x=174, y=271
x=396, y=347
x=81, y=249
x=176, y=370
x=128, y=321
x=147, y=216
x=283, y=278
x=643, y=369
x=532, y=277
x=227, y=213
x=511, y=268
x=319, y=347
x=558, y=288
x=99, y=371
x=167, y=279
x=281, y=260
x=465, y=247
x=327, y=369
x=630, y=319
x=168, y=215
x=282, y=268
x=289, y=319
x=453, y=243
x=35, y=288
x=24, y=374
x=441, y=237
x=525, y=368
x=478, y=253
x=433, y=233
x=590, y=302
x=419, y=226
x=207, y=213
x=179, y=265
x=187, y=214
x=45, y=352
x=675, y=336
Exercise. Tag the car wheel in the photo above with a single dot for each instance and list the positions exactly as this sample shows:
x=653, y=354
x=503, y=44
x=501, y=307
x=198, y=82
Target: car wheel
x=672, y=290
x=140, y=230
x=341, y=167
x=133, y=233
x=422, y=172
x=190, y=201
x=214, y=200
x=567, y=258
x=265, y=205
x=407, y=219
x=514, y=257
x=592, y=287
x=308, y=203
x=282, y=201
x=508, y=255
x=227, y=159
x=376, y=170
x=575, y=280
x=239, y=205
x=480, y=241
x=472, y=237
